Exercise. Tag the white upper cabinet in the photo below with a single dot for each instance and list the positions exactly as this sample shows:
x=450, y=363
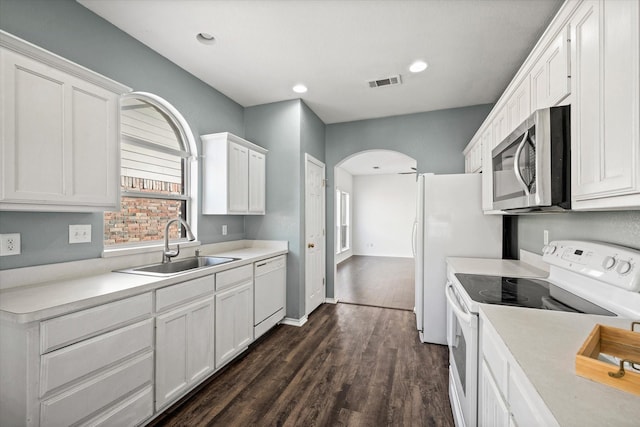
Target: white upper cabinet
x=473, y=156
x=233, y=175
x=519, y=105
x=60, y=133
x=550, y=80
x=605, y=116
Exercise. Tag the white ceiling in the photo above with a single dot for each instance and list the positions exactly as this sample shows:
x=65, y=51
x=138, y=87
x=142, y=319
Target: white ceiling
x=263, y=48
x=388, y=162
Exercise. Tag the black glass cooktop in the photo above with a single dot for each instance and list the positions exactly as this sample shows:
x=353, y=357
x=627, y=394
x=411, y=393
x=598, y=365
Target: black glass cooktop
x=529, y=293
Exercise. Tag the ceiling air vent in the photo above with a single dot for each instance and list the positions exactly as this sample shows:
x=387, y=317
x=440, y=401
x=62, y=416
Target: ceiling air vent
x=389, y=81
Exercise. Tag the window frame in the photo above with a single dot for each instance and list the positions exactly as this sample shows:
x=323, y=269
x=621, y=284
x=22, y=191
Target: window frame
x=190, y=177
x=342, y=220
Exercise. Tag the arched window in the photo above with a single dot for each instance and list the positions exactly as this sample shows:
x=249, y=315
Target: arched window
x=157, y=173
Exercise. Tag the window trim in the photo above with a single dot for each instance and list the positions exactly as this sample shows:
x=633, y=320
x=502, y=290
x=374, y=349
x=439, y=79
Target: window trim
x=190, y=173
x=339, y=225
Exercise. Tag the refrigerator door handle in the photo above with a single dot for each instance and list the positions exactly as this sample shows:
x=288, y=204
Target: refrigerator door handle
x=414, y=236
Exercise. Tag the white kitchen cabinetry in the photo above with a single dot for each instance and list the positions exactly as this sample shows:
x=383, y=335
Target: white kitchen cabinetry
x=90, y=366
x=234, y=313
x=233, y=176
x=473, y=157
x=550, y=80
x=184, y=337
x=60, y=133
x=605, y=114
x=518, y=106
x=505, y=395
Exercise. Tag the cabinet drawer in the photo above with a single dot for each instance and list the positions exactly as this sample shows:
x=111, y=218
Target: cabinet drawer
x=236, y=276
x=98, y=393
x=70, y=363
x=131, y=412
x=65, y=330
x=495, y=355
x=184, y=292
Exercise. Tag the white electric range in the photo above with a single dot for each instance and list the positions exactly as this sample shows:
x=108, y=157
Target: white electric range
x=584, y=277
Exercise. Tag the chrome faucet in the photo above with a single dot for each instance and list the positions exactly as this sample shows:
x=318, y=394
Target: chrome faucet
x=170, y=253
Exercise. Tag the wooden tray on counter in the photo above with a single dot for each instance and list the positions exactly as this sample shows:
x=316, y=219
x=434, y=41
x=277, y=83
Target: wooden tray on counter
x=609, y=341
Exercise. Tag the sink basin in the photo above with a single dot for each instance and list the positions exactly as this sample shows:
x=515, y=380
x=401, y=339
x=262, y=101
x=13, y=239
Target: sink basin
x=178, y=266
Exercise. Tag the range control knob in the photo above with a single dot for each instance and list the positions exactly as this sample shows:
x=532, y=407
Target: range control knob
x=608, y=262
x=623, y=267
x=549, y=249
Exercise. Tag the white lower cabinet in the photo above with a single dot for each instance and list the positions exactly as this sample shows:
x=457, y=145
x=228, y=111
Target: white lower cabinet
x=492, y=409
x=184, y=337
x=234, y=322
x=506, y=397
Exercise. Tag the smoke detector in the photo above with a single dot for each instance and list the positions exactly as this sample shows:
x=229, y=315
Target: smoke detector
x=388, y=81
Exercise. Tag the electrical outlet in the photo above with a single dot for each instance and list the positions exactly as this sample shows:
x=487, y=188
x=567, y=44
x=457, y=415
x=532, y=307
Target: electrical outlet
x=80, y=233
x=224, y=230
x=545, y=237
x=10, y=244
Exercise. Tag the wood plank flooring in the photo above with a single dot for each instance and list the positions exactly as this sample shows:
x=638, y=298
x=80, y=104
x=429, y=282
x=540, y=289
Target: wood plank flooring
x=377, y=281
x=349, y=365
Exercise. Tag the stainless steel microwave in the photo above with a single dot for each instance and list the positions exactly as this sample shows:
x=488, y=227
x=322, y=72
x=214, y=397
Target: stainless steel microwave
x=532, y=166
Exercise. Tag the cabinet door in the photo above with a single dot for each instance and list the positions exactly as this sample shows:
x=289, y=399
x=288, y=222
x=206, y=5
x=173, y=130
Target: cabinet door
x=234, y=322
x=519, y=106
x=605, y=116
x=499, y=127
x=257, y=171
x=550, y=82
x=238, y=178
x=60, y=137
x=492, y=409
x=184, y=348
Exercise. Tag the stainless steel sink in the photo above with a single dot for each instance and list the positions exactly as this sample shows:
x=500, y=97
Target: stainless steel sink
x=178, y=266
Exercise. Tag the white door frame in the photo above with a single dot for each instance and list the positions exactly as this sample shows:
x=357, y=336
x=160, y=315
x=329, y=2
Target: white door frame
x=308, y=284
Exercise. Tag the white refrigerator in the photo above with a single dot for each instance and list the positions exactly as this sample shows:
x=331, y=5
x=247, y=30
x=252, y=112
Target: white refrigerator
x=449, y=223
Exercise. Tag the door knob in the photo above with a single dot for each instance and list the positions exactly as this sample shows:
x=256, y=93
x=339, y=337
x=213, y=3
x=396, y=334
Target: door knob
x=311, y=245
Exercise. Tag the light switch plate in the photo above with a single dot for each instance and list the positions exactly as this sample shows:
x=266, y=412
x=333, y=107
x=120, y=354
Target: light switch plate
x=10, y=244
x=80, y=233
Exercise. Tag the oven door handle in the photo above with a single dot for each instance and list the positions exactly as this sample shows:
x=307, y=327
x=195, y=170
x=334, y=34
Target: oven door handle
x=460, y=312
x=516, y=164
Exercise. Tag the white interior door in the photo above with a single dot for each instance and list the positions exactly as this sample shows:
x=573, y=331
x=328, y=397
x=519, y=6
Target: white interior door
x=314, y=233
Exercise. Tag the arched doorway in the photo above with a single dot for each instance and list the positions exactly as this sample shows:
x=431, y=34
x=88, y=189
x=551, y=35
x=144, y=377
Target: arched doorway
x=374, y=200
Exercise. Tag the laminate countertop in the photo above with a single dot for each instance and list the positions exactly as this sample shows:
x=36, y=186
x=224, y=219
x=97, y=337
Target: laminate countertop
x=544, y=344
x=48, y=298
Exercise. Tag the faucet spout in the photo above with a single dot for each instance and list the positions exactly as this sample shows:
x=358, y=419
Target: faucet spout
x=168, y=253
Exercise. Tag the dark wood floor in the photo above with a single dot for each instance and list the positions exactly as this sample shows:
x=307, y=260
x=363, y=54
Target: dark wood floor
x=378, y=281
x=349, y=365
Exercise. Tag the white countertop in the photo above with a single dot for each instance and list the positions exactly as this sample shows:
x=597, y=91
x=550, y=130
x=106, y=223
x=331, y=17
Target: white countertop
x=51, y=298
x=494, y=267
x=545, y=343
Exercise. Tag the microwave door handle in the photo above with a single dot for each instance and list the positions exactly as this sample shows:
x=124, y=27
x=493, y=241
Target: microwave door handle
x=516, y=164
x=459, y=311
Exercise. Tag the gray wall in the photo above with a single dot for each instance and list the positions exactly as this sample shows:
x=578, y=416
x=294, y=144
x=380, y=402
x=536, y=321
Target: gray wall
x=276, y=127
x=435, y=139
x=620, y=228
x=71, y=31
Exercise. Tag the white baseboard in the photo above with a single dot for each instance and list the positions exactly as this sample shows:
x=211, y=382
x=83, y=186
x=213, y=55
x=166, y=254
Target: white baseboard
x=294, y=322
x=331, y=300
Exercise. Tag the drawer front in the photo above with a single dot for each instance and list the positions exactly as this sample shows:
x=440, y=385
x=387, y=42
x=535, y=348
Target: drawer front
x=495, y=354
x=236, y=276
x=98, y=393
x=131, y=412
x=70, y=363
x=65, y=330
x=184, y=292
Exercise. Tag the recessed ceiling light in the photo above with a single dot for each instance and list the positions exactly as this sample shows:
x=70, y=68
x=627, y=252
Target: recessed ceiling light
x=418, y=66
x=299, y=88
x=205, y=38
